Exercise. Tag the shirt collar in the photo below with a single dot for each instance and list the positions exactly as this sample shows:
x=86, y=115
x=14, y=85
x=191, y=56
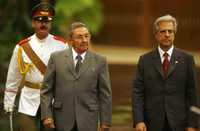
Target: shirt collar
x=74, y=53
x=161, y=52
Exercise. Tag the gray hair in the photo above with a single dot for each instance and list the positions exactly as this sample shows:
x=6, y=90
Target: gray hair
x=73, y=27
x=167, y=18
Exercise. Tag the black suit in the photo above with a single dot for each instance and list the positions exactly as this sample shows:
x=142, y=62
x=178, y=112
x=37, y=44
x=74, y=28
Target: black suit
x=156, y=97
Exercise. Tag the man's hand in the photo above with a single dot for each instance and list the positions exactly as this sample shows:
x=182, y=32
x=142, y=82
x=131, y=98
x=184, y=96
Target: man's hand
x=141, y=127
x=48, y=123
x=104, y=127
x=191, y=129
x=8, y=109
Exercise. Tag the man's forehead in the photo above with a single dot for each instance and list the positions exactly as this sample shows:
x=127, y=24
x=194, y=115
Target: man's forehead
x=165, y=23
x=81, y=30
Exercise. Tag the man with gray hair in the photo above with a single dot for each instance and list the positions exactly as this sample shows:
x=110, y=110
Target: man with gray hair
x=78, y=81
x=164, y=87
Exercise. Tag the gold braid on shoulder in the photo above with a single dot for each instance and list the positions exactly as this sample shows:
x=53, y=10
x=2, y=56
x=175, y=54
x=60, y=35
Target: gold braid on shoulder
x=23, y=67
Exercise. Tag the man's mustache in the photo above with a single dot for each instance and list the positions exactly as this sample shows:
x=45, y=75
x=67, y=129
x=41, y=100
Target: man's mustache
x=43, y=28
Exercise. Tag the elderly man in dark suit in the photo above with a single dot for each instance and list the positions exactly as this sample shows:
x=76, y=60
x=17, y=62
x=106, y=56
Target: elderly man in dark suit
x=165, y=84
x=76, y=92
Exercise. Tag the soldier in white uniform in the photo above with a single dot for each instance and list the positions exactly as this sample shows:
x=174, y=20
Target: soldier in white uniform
x=28, y=65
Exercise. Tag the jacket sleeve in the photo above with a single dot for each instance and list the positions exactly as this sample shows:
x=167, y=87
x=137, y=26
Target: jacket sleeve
x=47, y=90
x=138, y=94
x=191, y=94
x=105, y=94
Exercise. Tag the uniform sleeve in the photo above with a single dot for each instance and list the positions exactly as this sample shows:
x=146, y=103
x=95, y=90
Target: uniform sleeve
x=13, y=81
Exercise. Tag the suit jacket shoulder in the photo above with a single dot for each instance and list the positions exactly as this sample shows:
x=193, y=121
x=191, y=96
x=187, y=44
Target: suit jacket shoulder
x=60, y=52
x=150, y=54
x=176, y=51
x=97, y=55
x=182, y=53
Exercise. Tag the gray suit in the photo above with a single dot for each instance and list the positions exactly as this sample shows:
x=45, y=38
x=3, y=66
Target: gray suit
x=156, y=97
x=85, y=97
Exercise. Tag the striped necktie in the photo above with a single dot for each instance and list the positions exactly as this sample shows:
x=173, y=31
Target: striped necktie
x=78, y=64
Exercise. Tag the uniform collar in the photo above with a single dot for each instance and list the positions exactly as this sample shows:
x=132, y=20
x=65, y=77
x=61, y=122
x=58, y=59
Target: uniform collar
x=41, y=40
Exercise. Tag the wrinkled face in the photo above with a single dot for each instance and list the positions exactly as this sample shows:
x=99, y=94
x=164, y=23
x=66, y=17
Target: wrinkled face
x=80, y=39
x=165, y=34
x=41, y=28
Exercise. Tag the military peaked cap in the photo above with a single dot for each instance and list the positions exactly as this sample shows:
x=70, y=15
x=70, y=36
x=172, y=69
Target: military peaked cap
x=43, y=12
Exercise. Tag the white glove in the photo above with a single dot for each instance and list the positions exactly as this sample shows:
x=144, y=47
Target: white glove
x=8, y=108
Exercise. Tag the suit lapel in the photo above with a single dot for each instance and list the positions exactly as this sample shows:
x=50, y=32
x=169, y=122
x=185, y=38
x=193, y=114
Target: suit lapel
x=86, y=63
x=157, y=62
x=173, y=61
x=70, y=62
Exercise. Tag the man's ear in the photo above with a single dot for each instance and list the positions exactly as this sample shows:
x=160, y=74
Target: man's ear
x=70, y=41
x=33, y=23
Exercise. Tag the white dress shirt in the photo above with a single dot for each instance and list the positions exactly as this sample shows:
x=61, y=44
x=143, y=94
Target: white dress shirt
x=75, y=54
x=169, y=52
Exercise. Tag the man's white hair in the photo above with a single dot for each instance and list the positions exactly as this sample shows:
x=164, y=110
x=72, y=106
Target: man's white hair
x=165, y=18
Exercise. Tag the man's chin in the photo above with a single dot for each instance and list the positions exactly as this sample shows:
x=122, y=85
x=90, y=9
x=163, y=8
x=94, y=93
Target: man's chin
x=43, y=31
x=167, y=44
x=42, y=34
x=80, y=51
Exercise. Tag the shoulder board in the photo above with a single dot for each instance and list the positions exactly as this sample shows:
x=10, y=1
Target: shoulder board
x=59, y=38
x=21, y=42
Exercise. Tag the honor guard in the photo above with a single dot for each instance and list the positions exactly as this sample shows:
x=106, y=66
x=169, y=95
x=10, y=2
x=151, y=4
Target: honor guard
x=28, y=65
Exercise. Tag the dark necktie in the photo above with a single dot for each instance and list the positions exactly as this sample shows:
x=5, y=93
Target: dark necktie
x=165, y=63
x=78, y=64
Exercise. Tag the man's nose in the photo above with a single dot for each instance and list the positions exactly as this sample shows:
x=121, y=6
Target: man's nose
x=84, y=39
x=167, y=33
x=44, y=23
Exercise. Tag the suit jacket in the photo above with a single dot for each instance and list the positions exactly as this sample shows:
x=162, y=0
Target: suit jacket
x=156, y=97
x=85, y=97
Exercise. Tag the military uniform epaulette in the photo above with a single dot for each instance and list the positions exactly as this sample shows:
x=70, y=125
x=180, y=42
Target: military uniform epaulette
x=21, y=42
x=59, y=38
